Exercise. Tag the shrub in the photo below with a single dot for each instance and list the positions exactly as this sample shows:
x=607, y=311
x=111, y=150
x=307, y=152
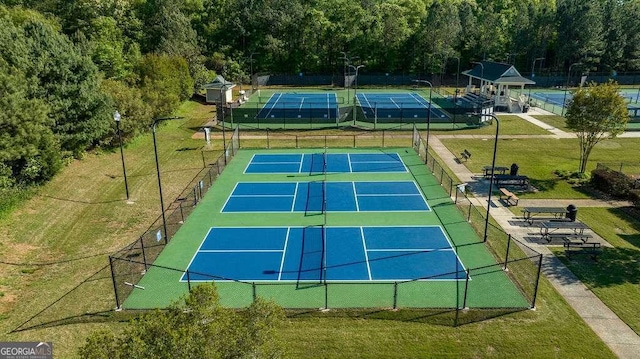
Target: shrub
x=614, y=183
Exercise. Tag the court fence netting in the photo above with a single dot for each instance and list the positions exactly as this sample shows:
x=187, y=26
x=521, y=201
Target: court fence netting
x=519, y=262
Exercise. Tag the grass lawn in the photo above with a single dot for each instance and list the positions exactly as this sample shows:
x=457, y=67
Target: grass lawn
x=538, y=158
x=615, y=277
x=556, y=121
x=55, y=247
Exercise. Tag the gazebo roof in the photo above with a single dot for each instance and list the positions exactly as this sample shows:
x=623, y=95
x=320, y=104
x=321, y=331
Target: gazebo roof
x=498, y=73
x=218, y=83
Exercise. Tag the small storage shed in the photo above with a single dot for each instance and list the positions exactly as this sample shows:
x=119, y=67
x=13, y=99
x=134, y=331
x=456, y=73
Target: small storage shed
x=218, y=88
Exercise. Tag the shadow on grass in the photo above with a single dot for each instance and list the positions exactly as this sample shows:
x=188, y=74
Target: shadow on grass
x=449, y=317
x=545, y=185
x=614, y=266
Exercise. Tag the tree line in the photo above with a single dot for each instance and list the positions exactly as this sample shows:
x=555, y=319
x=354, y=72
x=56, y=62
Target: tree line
x=67, y=65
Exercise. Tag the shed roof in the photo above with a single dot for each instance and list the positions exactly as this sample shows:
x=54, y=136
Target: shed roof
x=218, y=83
x=497, y=72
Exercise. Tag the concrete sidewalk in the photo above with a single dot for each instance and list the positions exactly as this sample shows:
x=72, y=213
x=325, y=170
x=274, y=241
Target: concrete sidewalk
x=616, y=334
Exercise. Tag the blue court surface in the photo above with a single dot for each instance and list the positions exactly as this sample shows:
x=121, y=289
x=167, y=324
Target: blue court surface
x=397, y=105
x=558, y=98
x=336, y=196
x=304, y=105
x=325, y=254
x=323, y=163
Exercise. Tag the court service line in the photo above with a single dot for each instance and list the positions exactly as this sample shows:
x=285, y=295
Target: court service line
x=301, y=103
x=419, y=100
x=284, y=253
x=355, y=196
x=349, y=158
x=418, y=250
x=228, y=198
x=274, y=104
x=295, y=196
x=240, y=251
x=366, y=99
x=391, y=98
x=366, y=255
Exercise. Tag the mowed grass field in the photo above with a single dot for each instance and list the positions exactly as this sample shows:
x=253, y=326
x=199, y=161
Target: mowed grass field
x=55, y=285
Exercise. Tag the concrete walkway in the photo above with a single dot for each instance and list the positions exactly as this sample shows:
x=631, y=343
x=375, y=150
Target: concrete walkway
x=616, y=334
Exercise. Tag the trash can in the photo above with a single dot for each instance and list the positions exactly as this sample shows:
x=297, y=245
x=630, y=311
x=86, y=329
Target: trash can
x=514, y=169
x=572, y=213
x=525, y=109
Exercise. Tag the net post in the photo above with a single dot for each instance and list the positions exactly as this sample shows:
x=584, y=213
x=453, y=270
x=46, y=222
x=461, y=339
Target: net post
x=254, y=291
x=144, y=254
x=535, y=290
x=113, y=280
x=506, y=256
x=395, y=295
x=466, y=288
x=188, y=280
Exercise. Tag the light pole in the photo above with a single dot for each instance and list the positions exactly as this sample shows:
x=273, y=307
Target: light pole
x=428, y=113
x=533, y=66
x=251, y=68
x=155, y=151
x=481, y=73
x=224, y=134
x=355, y=91
x=493, y=166
x=457, y=72
x=116, y=117
x=347, y=72
x=566, y=86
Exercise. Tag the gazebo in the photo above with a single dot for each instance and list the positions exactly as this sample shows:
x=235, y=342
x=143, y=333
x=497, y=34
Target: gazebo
x=496, y=80
x=219, y=87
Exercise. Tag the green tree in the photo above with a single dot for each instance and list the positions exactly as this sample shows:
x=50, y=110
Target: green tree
x=199, y=327
x=580, y=28
x=596, y=112
x=136, y=113
x=165, y=82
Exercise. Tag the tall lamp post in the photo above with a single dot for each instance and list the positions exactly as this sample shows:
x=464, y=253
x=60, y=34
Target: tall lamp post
x=428, y=113
x=493, y=166
x=347, y=72
x=533, y=67
x=566, y=86
x=481, y=73
x=116, y=117
x=355, y=91
x=223, y=88
x=251, y=69
x=457, y=72
x=155, y=151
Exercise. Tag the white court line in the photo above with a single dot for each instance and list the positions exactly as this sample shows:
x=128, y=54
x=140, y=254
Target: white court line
x=274, y=104
x=366, y=256
x=301, y=103
x=240, y=250
x=419, y=100
x=355, y=195
x=228, y=198
x=349, y=160
x=284, y=253
x=262, y=195
x=419, y=250
x=391, y=98
x=295, y=196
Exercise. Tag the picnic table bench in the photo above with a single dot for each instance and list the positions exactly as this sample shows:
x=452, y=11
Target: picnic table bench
x=509, y=197
x=488, y=171
x=560, y=229
x=581, y=247
x=516, y=180
x=553, y=213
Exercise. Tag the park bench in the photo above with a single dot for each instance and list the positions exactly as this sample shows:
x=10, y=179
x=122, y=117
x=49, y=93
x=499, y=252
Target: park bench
x=465, y=155
x=572, y=246
x=514, y=180
x=509, y=197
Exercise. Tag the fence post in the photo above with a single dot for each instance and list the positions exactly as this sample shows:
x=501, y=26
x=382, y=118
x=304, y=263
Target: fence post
x=115, y=286
x=354, y=141
x=466, y=288
x=297, y=141
x=188, y=281
x=254, y=291
x=326, y=296
x=144, y=255
x=204, y=163
x=535, y=290
x=181, y=213
x=325, y=141
x=506, y=256
x=395, y=295
x=267, y=138
x=469, y=214
x=383, y=135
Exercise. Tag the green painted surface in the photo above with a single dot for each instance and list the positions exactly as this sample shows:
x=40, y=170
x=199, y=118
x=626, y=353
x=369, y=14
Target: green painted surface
x=489, y=287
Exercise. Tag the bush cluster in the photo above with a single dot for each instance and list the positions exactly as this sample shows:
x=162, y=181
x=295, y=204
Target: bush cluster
x=615, y=183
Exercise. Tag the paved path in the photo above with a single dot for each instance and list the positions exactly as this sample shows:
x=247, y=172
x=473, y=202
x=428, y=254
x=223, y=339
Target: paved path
x=621, y=339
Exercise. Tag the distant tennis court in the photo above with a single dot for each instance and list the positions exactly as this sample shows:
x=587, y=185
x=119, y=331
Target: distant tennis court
x=325, y=196
x=303, y=105
x=321, y=163
x=320, y=253
x=398, y=105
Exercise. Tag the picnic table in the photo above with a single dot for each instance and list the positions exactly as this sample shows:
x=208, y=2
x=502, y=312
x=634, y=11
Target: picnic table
x=563, y=229
x=515, y=180
x=530, y=212
x=488, y=171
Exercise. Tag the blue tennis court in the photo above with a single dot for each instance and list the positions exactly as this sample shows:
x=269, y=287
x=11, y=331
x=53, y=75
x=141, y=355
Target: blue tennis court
x=325, y=163
x=558, y=98
x=336, y=196
x=319, y=253
x=397, y=105
x=303, y=105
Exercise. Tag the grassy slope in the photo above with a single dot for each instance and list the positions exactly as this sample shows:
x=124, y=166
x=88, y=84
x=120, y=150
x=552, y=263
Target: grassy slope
x=80, y=216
